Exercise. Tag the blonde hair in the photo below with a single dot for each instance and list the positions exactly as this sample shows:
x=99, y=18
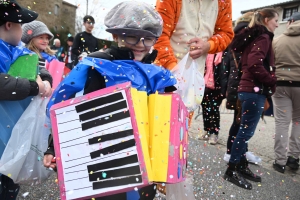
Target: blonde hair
x=33, y=48
x=246, y=17
x=260, y=16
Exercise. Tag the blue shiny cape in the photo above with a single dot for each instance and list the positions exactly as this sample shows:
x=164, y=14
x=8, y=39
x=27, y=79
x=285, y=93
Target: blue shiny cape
x=48, y=57
x=144, y=77
x=9, y=54
x=10, y=111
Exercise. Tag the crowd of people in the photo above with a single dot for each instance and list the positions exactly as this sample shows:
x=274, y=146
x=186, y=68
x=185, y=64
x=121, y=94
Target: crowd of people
x=248, y=65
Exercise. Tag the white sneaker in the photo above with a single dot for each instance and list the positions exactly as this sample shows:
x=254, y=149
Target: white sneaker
x=213, y=139
x=204, y=136
x=226, y=157
x=252, y=158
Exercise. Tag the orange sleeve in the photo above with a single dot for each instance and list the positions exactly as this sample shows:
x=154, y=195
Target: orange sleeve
x=223, y=32
x=168, y=9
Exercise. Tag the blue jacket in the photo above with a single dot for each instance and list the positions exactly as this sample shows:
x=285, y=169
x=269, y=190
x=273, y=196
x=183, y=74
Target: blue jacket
x=15, y=93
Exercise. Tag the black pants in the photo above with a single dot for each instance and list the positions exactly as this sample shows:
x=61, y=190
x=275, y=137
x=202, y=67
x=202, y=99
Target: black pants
x=70, y=65
x=8, y=189
x=210, y=111
x=234, y=129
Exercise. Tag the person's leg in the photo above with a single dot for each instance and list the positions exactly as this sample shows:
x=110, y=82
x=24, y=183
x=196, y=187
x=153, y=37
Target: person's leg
x=10, y=190
x=237, y=171
x=216, y=101
x=282, y=112
x=205, y=115
x=235, y=126
x=252, y=108
x=294, y=140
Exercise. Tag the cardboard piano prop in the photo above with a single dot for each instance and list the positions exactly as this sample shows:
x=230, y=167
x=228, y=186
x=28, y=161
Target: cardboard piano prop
x=25, y=66
x=168, y=119
x=102, y=141
x=100, y=148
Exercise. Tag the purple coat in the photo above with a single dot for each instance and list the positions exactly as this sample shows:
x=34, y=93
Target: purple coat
x=257, y=61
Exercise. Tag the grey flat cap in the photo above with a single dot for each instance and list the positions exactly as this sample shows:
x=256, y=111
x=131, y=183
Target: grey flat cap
x=295, y=17
x=136, y=18
x=33, y=29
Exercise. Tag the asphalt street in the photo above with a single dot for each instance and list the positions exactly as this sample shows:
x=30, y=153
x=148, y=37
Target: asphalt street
x=207, y=167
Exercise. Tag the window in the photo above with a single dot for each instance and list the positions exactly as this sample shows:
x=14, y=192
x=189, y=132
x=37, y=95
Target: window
x=56, y=9
x=289, y=11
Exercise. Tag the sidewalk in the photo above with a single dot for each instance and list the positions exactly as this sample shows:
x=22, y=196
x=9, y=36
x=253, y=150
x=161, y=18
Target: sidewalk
x=207, y=166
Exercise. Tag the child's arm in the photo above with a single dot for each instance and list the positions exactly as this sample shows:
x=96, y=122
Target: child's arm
x=45, y=75
x=13, y=89
x=49, y=155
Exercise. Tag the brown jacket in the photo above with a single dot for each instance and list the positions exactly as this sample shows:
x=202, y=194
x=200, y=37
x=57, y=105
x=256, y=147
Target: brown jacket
x=287, y=57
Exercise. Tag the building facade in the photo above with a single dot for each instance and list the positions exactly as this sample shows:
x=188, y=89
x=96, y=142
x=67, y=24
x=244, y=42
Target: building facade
x=285, y=10
x=58, y=15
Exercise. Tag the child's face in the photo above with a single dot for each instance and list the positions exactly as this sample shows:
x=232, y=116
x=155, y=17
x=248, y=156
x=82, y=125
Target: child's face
x=69, y=43
x=14, y=33
x=41, y=42
x=140, y=46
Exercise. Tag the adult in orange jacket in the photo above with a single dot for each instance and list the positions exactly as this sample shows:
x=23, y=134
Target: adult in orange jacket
x=197, y=27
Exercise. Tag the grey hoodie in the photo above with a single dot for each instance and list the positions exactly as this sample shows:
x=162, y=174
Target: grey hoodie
x=287, y=56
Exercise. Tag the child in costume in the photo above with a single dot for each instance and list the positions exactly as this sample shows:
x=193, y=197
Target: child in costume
x=36, y=37
x=135, y=40
x=15, y=92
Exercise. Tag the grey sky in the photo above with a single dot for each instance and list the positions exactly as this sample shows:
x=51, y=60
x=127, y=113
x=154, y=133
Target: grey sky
x=101, y=7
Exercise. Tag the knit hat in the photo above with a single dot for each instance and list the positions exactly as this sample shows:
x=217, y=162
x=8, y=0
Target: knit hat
x=71, y=39
x=34, y=29
x=134, y=18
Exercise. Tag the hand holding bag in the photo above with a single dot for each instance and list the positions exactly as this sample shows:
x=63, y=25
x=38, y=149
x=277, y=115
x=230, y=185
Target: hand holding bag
x=190, y=83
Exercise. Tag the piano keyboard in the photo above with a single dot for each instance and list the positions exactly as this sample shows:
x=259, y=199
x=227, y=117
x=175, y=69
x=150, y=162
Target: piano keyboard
x=97, y=146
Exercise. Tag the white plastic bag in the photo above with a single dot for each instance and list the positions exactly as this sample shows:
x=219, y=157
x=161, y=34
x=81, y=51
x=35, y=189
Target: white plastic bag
x=22, y=159
x=182, y=190
x=190, y=83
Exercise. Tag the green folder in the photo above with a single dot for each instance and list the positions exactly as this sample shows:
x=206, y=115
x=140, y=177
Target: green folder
x=25, y=67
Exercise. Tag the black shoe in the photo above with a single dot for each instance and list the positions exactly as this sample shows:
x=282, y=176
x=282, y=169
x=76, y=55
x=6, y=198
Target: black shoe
x=293, y=163
x=247, y=173
x=235, y=177
x=279, y=168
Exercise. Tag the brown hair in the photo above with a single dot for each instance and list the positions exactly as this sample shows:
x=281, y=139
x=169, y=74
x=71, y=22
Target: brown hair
x=246, y=17
x=33, y=48
x=260, y=16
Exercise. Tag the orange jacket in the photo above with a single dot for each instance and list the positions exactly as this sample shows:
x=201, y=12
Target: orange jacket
x=170, y=12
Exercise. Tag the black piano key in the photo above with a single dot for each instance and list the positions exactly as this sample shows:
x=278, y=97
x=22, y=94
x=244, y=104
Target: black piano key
x=111, y=136
x=99, y=102
x=105, y=120
x=113, y=163
x=102, y=111
x=114, y=173
x=112, y=149
x=117, y=182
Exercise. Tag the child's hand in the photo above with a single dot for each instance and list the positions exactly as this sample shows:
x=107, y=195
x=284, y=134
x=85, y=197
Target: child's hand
x=41, y=85
x=44, y=87
x=49, y=161
x=48, y=89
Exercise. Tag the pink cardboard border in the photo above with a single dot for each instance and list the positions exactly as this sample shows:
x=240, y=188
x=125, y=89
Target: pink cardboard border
x=175, y=139
x=124, y=86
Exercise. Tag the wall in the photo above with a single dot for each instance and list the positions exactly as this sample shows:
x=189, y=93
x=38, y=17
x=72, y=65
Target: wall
x=64, y=19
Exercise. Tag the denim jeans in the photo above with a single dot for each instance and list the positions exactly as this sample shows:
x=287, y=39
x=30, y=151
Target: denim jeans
x=252, y=108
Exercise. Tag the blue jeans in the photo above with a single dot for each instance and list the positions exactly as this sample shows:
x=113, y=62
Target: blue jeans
x=252, y=108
